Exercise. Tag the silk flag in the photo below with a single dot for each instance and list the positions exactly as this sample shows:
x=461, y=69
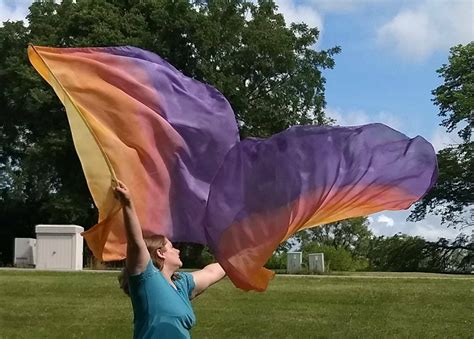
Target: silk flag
x=304, y=177
x=174, y=142
x=134, y=117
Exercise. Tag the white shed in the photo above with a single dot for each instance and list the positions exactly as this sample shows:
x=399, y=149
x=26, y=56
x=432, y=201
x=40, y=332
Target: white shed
x=25, y=252
x=59, y=247
x=293, y=262
x=316, y=262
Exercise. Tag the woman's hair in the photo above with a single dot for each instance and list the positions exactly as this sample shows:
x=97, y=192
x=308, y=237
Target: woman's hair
x=153, y=244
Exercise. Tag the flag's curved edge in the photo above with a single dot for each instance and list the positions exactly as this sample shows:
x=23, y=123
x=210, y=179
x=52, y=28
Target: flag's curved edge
x=98, y=248
x=32, y=49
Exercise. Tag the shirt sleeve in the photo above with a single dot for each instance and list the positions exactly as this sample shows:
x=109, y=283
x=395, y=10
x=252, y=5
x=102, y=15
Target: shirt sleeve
x=186, y=283
x=149, y=270
x=140, y=286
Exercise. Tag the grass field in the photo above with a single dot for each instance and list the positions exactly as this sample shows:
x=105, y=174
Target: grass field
x=90, y=305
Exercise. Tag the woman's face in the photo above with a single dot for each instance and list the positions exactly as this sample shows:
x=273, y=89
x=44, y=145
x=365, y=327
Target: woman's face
x=171, y=255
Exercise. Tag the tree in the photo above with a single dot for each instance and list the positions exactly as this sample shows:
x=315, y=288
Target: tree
x=351, y=235
x=456, y=256
x=269, y=72
x=453, y=195
x=400, y=253
x=403, y=253
x=455, y=97
x=336, y=259
x=344, y=243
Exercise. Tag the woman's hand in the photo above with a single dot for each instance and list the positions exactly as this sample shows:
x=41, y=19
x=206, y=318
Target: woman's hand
x=122, y=193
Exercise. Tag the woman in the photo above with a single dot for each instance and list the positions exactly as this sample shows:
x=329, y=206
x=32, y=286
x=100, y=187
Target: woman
x=160, y=296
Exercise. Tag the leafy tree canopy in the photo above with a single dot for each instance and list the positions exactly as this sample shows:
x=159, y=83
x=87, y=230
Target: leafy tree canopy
x=453, y=195
x=269, y=71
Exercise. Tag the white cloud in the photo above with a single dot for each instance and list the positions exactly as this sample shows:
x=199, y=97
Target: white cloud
x=360, y=117
x=354, y=117
x=386, y=220
x=442, y=139
x=300, y=12
x=417, y=32
x=13, y=10
x=389, y=223
x=345, y=5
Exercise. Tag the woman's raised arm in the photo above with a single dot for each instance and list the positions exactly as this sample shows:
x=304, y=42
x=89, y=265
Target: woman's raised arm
x=137, y=253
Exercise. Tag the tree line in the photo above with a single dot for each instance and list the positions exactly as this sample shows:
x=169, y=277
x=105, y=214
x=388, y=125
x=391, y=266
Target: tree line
x=350, y=245
x=267, y=68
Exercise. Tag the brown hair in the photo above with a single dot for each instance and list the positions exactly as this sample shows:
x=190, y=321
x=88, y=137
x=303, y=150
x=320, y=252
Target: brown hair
x=153, y=244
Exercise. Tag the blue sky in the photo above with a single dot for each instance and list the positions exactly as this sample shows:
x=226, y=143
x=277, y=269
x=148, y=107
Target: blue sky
x=371, y=77
x=385, y=73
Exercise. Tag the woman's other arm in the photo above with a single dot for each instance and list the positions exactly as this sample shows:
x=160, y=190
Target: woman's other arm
x=206, y=277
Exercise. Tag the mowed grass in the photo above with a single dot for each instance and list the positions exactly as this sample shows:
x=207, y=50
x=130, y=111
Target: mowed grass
x=90, y=305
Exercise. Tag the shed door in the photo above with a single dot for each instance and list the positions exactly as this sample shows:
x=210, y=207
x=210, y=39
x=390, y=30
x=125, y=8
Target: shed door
x=57, y=251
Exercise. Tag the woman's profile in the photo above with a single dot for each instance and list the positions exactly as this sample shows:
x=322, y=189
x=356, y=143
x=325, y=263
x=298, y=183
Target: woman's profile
x=160, y=296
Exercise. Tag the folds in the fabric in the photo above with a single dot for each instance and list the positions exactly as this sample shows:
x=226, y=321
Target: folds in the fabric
x=135, y=117
x=266, y=190
x=174, y=142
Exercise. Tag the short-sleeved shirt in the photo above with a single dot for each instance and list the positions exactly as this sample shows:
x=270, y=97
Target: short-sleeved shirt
x=160, y=310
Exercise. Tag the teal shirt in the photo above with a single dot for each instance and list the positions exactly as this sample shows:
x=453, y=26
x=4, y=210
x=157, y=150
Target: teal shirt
x=160, y=310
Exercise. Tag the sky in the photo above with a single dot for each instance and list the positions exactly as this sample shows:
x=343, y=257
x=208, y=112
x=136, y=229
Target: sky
x=385, y=73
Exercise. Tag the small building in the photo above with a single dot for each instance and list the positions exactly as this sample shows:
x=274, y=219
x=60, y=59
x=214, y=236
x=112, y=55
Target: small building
x=25, y=252
x=316, y=262
x=59, y=247
x=294, y=260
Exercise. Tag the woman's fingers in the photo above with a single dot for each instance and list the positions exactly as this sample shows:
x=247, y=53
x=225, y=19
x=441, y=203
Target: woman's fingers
x=121, y=189
x=122, y=193
x=121, y=185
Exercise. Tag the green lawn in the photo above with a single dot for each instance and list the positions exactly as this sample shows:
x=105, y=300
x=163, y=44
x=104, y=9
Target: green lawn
x=90, y=305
